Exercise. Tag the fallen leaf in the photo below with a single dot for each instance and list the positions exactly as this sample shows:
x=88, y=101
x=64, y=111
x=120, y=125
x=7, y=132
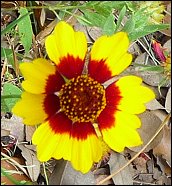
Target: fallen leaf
x=154, y=105
x=168, y=101
x=101, y=173
x=161, y=114
x=15, y=126
x=141, y=58
x=32, y=163
x=167, y=46
x=124, y=177
x=150, y=124
x=29, y=132
x=134, y=49
x=94, y=32
x=42, y=17
x=164, y=147
x=64, y=174
x=165, y=168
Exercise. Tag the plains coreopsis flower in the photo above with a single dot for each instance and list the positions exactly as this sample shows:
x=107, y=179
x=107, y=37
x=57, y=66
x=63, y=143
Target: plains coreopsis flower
x=68, y=98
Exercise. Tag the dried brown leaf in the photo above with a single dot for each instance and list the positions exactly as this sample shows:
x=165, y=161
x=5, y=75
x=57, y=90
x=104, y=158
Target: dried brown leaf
x=154, y=105
x=68, y=176
x=150, y=124
x=164, y=147
x=42, y=17
x=168, y=101
x=33, y=165
x=167, y=46
x=94, y=32
x=29, y=132
x=15, y=126
x=124, y=177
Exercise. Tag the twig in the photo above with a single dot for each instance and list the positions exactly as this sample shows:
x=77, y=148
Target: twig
x=45, y=173
x=153, y=137
x=15, y=162
x=142, y=182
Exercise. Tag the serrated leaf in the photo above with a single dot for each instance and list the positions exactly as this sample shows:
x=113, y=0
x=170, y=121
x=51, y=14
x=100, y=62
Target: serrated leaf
x=109, y=26
x=10, y=95
x=25, y=30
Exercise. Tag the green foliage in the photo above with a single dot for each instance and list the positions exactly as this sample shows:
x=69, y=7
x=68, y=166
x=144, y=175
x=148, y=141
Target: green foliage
x=7, y=53
x=10, y=95
x=120, y=18
x=100, y=14
x=109, y=26
x=11, y=25
x=25, y=29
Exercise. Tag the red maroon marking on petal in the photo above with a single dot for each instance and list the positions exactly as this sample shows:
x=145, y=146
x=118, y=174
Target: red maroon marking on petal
x=71, y=67
x=106, y=118
x=99, y=71
x=82, y=130
x=60, y=123
x=113, y=96
x=51, y=104
x=54, y=83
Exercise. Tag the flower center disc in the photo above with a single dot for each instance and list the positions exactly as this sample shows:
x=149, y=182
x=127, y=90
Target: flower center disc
x=82, y=99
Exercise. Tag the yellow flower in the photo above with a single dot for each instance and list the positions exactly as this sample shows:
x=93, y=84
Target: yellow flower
x=75, y=109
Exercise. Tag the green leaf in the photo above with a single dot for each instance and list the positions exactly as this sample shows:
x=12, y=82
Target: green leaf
x=129, y=25
x=25, y=30
x=7, y=53
x=131, y=6
x=120, y=18
x=155, y=27
x=109, y=26
x=152, y=68
x=148, y=29
x=10, y=95
x=95, y=18
x=11, y=25
x=115, y=4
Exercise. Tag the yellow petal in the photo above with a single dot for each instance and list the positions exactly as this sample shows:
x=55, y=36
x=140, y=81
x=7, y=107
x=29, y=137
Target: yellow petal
x=85, y=152
x=65, y=41
x=117, y=66
x=113, y=50
x=123, y=133
x=30, y=108
x=54, y=140
x=45, y=139
x=36, y=75
x=134, y=95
